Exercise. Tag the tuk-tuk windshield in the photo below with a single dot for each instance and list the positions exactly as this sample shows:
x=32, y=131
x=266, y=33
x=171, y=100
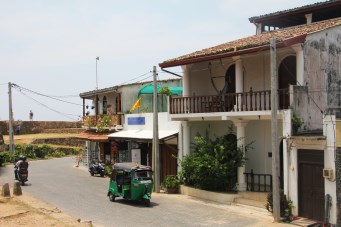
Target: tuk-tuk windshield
x=142, y=175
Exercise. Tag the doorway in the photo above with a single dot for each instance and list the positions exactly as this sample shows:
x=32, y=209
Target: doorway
x=311, y=184
x=286, y=77
x=229, y=89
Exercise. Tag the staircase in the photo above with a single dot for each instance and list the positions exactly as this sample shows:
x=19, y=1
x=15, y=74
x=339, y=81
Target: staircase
x=254, y=199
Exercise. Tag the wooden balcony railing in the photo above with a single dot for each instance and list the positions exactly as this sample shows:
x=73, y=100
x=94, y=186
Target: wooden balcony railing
x=258, y=182
x=246, y=101
x=107, y=121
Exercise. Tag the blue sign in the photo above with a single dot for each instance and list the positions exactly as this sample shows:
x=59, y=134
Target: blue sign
x=136, y=121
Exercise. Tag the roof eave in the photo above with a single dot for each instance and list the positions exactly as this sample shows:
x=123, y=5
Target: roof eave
x=285, y=43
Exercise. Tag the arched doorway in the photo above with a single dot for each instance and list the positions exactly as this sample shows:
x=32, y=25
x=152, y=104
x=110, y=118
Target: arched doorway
x=229, y=89
x=286, y=77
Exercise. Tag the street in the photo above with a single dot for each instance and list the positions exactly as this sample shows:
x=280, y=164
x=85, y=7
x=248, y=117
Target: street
x=74, y=191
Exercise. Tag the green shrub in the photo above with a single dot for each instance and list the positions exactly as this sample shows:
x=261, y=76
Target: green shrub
x=57, y=154
x=41, y=151
x=77, y=151
x=171, y=182
x=6, y=156
x=19, y=148
x=108, y=170
x=213, y=163
x=28, y=151
x=286, y=206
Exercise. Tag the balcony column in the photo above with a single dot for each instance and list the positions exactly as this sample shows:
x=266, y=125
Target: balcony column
x=239, y=80
x=240, y=125
x=186, y=138
x=299, y=64
x=185, y=81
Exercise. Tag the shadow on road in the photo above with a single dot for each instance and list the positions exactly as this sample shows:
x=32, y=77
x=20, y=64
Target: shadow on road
x=134, y=203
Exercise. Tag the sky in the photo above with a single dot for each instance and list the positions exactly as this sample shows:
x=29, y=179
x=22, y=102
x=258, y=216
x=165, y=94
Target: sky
x=50, y=47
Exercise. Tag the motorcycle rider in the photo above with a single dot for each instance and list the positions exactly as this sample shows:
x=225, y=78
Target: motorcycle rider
x=21, y=164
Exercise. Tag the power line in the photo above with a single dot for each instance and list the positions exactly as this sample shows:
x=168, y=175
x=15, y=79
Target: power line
x=37, y=93
x=42, y=104
x=134, y=78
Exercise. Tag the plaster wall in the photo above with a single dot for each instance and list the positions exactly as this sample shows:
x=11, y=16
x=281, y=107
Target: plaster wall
x=328, y=146
x=164, y=123
x=329, y=125
x=322, y=78
x=205, y=76
x=257, y=134
x=110, y=101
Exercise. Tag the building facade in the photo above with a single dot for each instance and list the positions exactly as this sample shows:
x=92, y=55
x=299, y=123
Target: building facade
x=229, y=86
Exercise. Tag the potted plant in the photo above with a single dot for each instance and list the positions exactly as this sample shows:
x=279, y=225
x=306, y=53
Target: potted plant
x=296, y=123
x=171, y=184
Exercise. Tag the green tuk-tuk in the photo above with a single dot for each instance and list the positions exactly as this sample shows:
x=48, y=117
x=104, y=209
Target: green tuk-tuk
x=131, y=181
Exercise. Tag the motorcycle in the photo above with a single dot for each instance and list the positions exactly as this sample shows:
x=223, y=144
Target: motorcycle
x=97, y=168
x=22, y=175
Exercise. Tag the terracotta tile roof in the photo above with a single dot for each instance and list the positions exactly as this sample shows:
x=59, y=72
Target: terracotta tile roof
x=284, y=37
x=94, y=136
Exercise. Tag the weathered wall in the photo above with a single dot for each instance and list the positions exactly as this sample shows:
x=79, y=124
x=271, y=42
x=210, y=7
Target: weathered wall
x=29, y=127
x=322, y=78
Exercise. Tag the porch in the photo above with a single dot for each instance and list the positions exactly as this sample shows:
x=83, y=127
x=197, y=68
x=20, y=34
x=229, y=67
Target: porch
x=230, y=102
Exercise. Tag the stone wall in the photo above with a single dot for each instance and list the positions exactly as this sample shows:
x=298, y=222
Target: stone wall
x=31, y=127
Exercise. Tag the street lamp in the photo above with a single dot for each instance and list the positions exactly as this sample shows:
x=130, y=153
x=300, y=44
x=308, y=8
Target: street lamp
x=97, y=59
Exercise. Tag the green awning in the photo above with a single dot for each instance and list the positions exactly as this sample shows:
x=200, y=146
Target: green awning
x=149, y=89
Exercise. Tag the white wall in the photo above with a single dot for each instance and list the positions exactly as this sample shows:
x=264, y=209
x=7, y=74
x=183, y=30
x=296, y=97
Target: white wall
x=256, y=70
x=258, y=132
x=164, y=123
x=329, y=125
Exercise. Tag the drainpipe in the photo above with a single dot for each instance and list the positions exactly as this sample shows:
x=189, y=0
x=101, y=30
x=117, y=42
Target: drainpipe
x=171, y=72
x=327, y=205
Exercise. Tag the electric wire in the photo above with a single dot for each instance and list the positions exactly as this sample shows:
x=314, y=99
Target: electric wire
x=44, y=105
x=134, y=79
x=37, y=93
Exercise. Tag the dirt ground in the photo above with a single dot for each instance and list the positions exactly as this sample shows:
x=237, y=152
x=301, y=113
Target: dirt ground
x=25, y=210
x=28, y=138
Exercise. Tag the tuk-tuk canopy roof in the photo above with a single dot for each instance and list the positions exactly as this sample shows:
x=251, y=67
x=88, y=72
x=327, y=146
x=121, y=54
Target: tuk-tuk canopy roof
x=128, y=166
x=149, y=89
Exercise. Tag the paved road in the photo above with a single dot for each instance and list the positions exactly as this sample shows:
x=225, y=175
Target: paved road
x=75, y=192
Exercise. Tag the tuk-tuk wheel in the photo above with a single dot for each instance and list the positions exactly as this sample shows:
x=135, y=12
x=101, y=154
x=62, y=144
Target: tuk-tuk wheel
x=111, y=197
x=102, y=174
x=147, y=202
x=92, y=174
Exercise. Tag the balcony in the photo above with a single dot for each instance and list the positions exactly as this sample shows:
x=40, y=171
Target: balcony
x=236, y=102
x=101, y=122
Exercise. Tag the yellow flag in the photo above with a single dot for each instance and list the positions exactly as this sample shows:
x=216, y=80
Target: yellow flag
x=136, y=105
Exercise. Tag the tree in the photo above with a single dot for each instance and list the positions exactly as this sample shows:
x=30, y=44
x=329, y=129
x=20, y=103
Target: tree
x=213, y=163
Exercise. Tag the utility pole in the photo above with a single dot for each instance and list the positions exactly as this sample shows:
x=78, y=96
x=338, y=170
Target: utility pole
x=155, y=155
x=274, y=128
x=10, y=118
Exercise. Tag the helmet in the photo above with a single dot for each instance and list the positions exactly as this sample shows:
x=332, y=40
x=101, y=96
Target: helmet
x=21, y=157
x=24, y=158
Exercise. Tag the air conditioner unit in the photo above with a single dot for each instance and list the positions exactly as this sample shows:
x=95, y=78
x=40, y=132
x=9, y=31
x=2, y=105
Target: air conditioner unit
x=328, y=173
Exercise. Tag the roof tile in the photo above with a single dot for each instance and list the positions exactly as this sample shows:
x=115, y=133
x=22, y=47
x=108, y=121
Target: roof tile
x=255, y=41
